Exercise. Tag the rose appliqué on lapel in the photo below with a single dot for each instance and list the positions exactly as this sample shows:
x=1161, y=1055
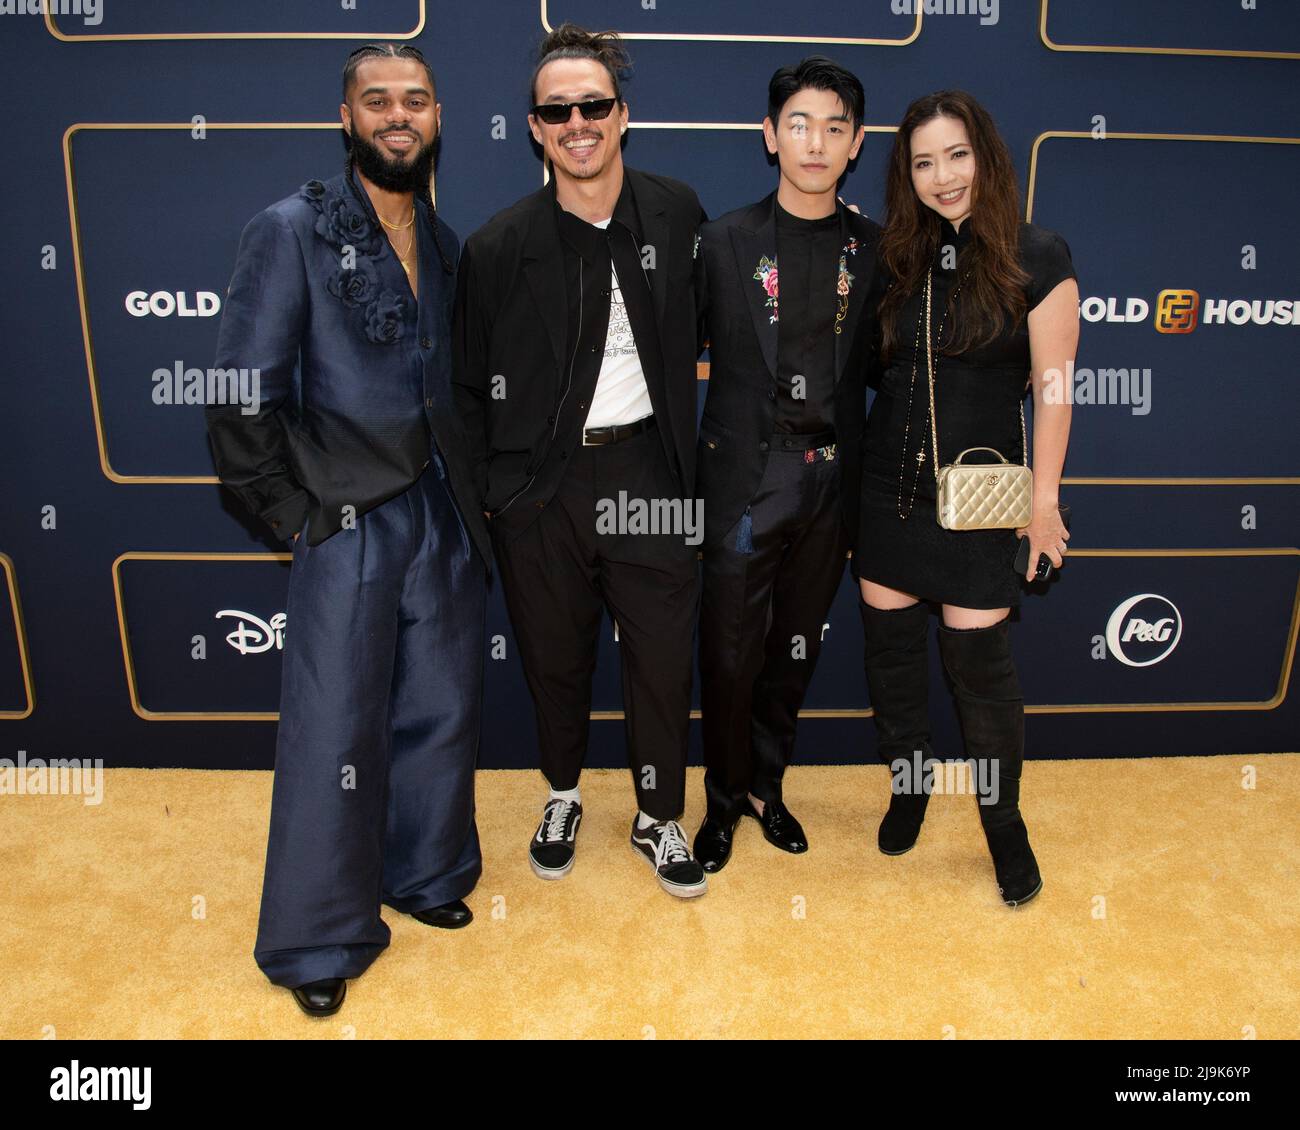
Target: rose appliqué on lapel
x=342, y=224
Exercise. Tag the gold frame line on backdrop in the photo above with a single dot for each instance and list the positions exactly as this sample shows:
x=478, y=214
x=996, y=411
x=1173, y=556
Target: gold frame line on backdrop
x=1271, y=703
x=20, y=633
x=54, y=30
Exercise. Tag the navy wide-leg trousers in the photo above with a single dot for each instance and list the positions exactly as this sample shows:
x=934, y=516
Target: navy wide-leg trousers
x=373, y=799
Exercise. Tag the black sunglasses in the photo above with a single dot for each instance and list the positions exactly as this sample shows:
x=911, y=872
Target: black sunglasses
x=557, y=113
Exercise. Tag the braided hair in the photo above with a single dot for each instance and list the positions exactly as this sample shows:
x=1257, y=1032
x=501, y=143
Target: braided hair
x=391, y=51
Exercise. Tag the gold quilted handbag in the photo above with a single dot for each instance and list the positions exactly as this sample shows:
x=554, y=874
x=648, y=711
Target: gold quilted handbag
x=984, y=496
x=978, y=496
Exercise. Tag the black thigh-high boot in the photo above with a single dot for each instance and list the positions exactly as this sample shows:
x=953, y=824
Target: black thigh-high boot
x=898, y=680
x=992, y=714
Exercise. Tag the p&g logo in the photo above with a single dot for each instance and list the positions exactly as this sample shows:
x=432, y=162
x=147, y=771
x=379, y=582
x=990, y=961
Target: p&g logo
x=1144, y=629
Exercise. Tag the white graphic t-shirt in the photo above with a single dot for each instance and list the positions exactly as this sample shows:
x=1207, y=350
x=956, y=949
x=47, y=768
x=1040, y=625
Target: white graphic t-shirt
x=621, y=394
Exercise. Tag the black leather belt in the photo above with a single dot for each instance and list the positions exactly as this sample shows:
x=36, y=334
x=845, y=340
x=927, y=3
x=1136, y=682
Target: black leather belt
x=616, y=433
x=784, y=441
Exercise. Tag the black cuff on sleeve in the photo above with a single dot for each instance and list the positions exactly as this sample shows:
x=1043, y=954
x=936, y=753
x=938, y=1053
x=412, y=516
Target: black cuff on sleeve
x=288, y=517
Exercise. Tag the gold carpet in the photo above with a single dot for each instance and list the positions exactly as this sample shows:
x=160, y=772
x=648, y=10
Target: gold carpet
x=1170, y=909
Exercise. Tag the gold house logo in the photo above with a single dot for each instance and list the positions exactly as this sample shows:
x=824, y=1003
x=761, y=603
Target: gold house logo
x=1176, y=311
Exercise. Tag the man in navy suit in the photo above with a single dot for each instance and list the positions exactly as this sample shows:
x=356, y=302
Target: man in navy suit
x=342, y=299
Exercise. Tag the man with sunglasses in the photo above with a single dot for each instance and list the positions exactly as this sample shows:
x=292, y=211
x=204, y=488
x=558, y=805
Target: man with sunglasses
x=576, y=341
x=342, y=296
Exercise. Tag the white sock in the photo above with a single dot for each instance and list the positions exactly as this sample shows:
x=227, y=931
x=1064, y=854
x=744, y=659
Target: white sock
x=566, y=794
x=643, y=821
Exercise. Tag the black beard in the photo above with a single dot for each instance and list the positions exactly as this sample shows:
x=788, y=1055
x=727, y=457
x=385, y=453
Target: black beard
x=393, y=174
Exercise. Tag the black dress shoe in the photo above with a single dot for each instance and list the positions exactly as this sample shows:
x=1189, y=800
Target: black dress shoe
x=321, y=998
x=779, y=827
x=450, y=915
x=713, y=844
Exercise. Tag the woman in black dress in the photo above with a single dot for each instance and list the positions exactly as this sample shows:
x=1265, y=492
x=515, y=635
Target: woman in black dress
x=1004, y=316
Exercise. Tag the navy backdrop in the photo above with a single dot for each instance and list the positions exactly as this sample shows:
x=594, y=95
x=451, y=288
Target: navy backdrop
x=1160, y=138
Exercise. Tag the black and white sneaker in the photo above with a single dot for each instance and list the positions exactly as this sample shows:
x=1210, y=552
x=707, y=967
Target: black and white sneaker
x=551, y=852
x=663, y=846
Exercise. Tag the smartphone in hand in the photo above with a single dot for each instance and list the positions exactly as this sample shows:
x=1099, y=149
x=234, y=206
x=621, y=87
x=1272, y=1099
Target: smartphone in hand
x=1045, y=569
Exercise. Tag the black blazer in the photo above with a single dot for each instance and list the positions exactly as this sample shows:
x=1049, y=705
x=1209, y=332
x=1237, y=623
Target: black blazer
x=355, y=374
x=740, y=408
x=510, y=333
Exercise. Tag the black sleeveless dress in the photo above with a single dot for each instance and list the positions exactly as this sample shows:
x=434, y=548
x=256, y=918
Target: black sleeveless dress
x=977, y=398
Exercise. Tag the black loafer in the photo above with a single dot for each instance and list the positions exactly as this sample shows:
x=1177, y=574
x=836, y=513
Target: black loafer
x=321, y=998
x=713, y=844
x=449, y=916
x=779, y=827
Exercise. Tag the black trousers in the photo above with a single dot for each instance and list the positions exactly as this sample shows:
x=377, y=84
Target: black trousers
x=761, y=626
x=559, y=575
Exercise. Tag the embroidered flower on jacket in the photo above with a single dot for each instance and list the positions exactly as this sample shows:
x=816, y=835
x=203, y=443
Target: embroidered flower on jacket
x=844, y=282
x=384, y=318
x=356, y=287
x=766, y=274
x=343, y=224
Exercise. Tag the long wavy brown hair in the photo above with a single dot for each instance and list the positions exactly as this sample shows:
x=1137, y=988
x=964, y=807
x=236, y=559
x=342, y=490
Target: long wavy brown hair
x=992, y=293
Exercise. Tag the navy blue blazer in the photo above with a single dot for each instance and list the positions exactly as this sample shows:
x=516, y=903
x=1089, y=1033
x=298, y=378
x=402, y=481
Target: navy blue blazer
x=354, y=374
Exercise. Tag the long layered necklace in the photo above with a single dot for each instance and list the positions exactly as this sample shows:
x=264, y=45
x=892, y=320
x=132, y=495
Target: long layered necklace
x=922, y=320
x=409, y=256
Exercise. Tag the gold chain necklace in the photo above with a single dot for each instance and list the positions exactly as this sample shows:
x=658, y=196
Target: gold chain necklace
x=412, y=253
x=397, y=227
x=406, y=256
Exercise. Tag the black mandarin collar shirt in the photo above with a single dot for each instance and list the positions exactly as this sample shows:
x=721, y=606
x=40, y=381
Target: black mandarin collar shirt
x=808, y=252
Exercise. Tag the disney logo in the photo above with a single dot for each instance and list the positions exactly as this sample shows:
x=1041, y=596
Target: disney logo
x=254, y=634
